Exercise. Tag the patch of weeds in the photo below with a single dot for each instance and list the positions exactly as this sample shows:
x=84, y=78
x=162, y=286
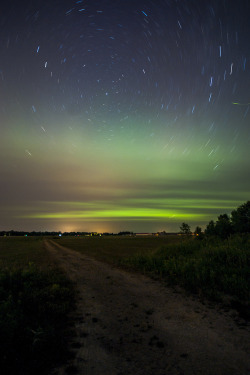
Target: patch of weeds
x=212, y=267
x=34, y=307
x=149, y=311
x=71, y=369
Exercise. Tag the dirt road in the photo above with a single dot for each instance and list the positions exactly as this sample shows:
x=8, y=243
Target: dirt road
x=129, y=324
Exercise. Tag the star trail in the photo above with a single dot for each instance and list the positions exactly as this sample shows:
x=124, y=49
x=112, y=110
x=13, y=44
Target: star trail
x=123, y=115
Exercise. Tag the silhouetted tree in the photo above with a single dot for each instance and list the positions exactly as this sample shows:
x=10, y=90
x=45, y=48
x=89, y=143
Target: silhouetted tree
x=197, y=231
x=185, y=228
x=240, y=218
x=125, y=233
x=223, y=226
x=239, y=222
x=199, y=235
x=210, y=229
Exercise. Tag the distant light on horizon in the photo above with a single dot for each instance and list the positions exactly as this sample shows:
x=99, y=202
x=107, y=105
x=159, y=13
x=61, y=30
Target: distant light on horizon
x=123, y=118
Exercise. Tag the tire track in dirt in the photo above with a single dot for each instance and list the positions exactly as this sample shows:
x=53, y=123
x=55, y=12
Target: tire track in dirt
x=129, y=324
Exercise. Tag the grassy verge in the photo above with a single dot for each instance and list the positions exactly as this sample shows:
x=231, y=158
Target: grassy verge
x=112, y=249
x=18, y=252
x=213, y=268
x=35, y=299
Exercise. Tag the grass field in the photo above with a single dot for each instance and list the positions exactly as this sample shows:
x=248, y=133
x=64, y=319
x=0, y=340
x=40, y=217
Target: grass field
x=35, y=299
x=212, y=268
x=19, y=252
x=112, y=249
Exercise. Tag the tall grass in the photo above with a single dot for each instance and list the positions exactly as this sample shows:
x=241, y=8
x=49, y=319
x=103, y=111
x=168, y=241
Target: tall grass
x=18, y=252
x=212, y=267
x=111, y=248
x=34, y=307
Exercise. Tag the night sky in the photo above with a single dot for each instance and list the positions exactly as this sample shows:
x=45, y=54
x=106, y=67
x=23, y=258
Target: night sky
x=123, y=115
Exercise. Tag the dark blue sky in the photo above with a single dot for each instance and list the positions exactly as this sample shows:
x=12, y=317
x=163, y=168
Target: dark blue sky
x=126, y=97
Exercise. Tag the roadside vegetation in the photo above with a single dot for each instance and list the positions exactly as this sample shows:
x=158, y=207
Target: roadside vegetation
x=214, y=264
x=212, y=268
x=111, y=249
x=35, y=300
x=36, y=297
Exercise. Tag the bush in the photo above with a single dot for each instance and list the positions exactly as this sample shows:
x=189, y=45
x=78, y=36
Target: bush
x=33, y=316
x=211, y=267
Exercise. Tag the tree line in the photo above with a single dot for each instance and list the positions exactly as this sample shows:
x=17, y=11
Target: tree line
x=225, y=225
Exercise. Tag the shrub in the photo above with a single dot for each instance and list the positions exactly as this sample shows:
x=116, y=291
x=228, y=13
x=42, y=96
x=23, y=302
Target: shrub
x=211, y=267
x=33, y=315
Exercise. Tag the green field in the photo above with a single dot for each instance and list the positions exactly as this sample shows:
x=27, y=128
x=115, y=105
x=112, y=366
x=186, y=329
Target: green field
x=18, y=252
x=112, y=249
x=35, y=296
x=35, y=299
x=212, y=268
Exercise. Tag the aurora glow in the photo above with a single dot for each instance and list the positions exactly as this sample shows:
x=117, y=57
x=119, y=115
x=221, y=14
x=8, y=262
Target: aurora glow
x=123, y=115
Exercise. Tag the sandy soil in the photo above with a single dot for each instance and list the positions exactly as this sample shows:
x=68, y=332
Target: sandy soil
x=129, y=324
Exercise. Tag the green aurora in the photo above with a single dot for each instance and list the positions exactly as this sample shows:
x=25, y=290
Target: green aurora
x=123, y=116
x=127, y=184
